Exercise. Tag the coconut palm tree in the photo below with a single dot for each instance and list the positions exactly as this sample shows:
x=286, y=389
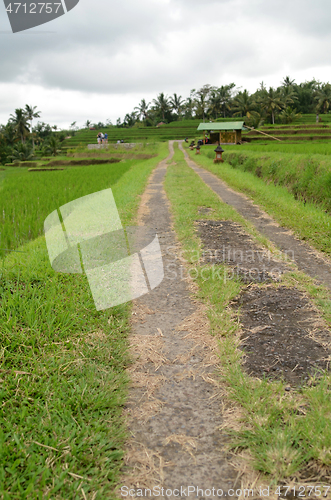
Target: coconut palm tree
x=142, y=109
x=20, y=123
x=287, y=82
x=22, y=152
x=288, y=95
x=176, y=103
x=53, y=145
x=243, y=104
x=31, y=113
x=88, y=123
x=271, y=102
x=254, y=119
x=161, y=104
x=288, y=115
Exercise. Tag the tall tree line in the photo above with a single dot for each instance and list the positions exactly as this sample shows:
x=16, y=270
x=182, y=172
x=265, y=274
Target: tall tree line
x=19, y=139
x=266, y=105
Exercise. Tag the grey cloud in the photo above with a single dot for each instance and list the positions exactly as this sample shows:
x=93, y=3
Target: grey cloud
x=154, y=45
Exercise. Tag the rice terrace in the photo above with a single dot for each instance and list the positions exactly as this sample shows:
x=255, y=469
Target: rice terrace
x=215, y=383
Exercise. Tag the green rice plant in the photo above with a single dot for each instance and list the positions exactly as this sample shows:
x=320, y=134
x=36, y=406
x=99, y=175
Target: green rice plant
x=27, y=199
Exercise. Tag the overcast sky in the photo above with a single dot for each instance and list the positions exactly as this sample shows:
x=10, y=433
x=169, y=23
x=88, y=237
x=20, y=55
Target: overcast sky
x=100, y=59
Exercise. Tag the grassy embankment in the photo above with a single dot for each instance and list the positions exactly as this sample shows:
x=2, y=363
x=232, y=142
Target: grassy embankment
x=62, y=363
x=256, y=174
x=287, y=435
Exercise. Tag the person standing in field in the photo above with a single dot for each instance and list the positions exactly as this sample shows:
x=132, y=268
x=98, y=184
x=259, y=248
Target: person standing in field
x=99, y=138
x=106, y=138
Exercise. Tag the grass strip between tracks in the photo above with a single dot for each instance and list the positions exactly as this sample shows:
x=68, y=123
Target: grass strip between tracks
x=62, y=372
x=285, y=435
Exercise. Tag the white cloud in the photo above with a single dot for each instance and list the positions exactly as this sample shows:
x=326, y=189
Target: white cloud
x=104, y=57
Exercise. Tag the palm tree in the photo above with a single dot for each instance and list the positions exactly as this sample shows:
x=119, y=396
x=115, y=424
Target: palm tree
x=243, y=104
x=323, y=98
x=271, y=102
x=254, y=119
x=53, y=145
x=142, y=109
x=88, y=123
x=20, y=123
x=31, y=113
x=161, y=104
x=288, y=115
x=288, y=95
x=287, y=82
x=176, y=102
x=22, y=152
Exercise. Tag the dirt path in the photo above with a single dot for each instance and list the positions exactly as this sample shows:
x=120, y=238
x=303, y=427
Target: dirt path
x=307, y=259
x=174, y=410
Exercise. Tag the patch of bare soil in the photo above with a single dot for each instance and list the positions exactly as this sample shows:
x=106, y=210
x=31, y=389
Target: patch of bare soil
x=93, y=161
x=226, y=242
x=283, y=336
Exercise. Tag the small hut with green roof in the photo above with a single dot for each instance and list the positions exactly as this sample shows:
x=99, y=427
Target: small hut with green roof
x=222, y=132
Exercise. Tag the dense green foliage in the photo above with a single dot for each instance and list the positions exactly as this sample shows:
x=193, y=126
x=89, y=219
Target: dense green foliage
x=283, y=104
x=27, y=199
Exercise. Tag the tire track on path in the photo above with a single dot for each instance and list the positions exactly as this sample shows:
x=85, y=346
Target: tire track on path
x=309, y=260
x=174, y=411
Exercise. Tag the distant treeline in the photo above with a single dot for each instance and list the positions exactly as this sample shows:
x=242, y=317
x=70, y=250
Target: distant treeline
x=274, y=105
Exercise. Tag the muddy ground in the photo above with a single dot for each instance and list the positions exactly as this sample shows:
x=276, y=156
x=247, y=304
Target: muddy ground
x=282, y=333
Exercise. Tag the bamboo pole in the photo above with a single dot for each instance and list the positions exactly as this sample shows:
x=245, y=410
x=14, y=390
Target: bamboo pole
x=259, y=131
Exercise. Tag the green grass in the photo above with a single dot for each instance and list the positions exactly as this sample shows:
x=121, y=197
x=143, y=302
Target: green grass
x=308, y=221
x=308, y=148
x=284, y=433
x=307, y=177
x=27, y=198
x=62, y=371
